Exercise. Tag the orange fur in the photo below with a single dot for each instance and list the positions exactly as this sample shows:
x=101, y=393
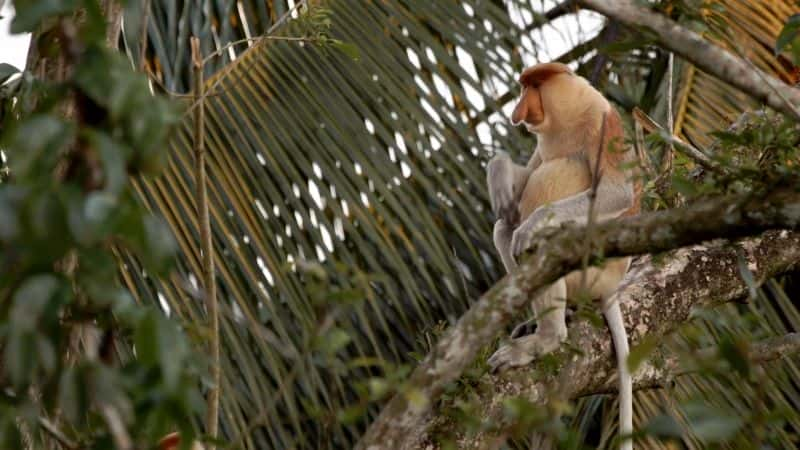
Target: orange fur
x=534, y=76
x=580, y=145
x=569, y=127
x=554, y=180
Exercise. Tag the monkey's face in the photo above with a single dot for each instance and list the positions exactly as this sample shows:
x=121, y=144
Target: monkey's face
x=534, y=106
x=544, y=103
x=556, y=102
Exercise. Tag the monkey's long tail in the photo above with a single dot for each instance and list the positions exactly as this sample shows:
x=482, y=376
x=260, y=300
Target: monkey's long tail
x=616, y=325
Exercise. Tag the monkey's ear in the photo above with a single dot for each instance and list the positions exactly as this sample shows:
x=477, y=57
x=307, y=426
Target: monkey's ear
x=538, y=74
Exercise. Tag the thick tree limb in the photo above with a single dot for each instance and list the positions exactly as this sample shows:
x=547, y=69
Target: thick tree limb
x=655, y=299
x=660, y=371
x=702, y=53
x=555, y=254
x=551, y=14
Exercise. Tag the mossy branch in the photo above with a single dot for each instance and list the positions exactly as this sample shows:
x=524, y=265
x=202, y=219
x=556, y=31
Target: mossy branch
x=556, y=253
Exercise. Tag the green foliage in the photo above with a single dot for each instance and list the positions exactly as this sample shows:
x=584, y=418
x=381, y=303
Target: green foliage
x=75, y=344
x=757, y=153
x=356, y=158
x=789, y=39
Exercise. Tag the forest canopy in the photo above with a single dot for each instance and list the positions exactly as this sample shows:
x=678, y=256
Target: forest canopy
x=265, y=224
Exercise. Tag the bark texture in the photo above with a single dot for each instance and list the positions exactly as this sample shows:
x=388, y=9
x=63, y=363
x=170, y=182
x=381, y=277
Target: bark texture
x=656, y=297
x=556, y=253
x=702, y=53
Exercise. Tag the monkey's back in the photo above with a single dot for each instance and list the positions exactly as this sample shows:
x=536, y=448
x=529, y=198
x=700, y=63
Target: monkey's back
x=553, y=180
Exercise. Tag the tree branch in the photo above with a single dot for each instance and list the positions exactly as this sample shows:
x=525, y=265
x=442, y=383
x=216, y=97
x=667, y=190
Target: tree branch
x=655, y=298
x=562, y=9
x=556, y=253
x=703, y=54
x=660, y=375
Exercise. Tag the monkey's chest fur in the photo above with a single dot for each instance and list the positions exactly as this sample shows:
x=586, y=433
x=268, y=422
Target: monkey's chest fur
x=553, y=180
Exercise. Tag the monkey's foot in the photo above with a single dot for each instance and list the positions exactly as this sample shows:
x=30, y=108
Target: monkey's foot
x=530, y=325
x=522, y=237
x=521, y=351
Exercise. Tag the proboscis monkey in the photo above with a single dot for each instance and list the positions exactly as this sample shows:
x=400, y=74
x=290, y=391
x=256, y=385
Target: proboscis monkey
x=580, y=145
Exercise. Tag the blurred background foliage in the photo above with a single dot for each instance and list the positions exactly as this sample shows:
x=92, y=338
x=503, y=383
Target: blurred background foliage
x=346, y=158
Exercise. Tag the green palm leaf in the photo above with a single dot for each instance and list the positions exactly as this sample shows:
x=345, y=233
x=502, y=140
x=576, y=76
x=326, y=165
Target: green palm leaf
x=367, y=164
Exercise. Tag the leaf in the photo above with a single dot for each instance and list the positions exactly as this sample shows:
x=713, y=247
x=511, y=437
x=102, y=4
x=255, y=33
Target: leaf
x=34, y=145
x=72, y=400
x=378, y=388
x=11, y=199
x=30, y=13
x=145, y=339
x=160, y=244
x=352, y=414
x=640, y=352
x=19, y=363
x=6, y=71
x=347, y=48
x=663, y=426
x=172, y=353
x=114, y=156
x=789, y=33
x=34, y=300
x=10, y=436
x=333, y=341
x=46, y=353
x=711, y=424
x=736, y=353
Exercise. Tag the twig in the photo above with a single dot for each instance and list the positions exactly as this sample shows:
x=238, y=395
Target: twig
x=286, y=16
x=116, y=427
x=143, y=34
x=206, y=244
x=557, y=252
x=550, y=15
x=651, y=126
x=266, y=35
x=706, y=56
x=674, y=366
x=666, y=158
x=638, y=145
x=592, y=199
x=59, y=436
x=257, y=39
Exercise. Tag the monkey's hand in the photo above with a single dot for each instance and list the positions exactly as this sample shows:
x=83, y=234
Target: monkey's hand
x=521, y=351
x=542, y=218
x=500, y=180
x=523, y=236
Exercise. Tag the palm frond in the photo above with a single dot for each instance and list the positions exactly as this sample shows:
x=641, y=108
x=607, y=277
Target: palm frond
x=749, y=30
x=369, y=164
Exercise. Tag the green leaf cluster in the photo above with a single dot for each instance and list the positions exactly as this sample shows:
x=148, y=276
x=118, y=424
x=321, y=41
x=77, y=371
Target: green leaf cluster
x=75, y=343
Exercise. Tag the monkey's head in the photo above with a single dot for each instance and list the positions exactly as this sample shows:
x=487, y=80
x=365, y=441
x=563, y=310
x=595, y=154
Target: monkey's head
x=555, y=99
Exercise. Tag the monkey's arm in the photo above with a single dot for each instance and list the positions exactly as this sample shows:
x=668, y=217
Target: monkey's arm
x=506, y=181
x=614, y=196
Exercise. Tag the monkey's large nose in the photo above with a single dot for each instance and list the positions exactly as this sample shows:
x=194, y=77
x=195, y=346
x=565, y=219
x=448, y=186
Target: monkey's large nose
x=519, y=113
